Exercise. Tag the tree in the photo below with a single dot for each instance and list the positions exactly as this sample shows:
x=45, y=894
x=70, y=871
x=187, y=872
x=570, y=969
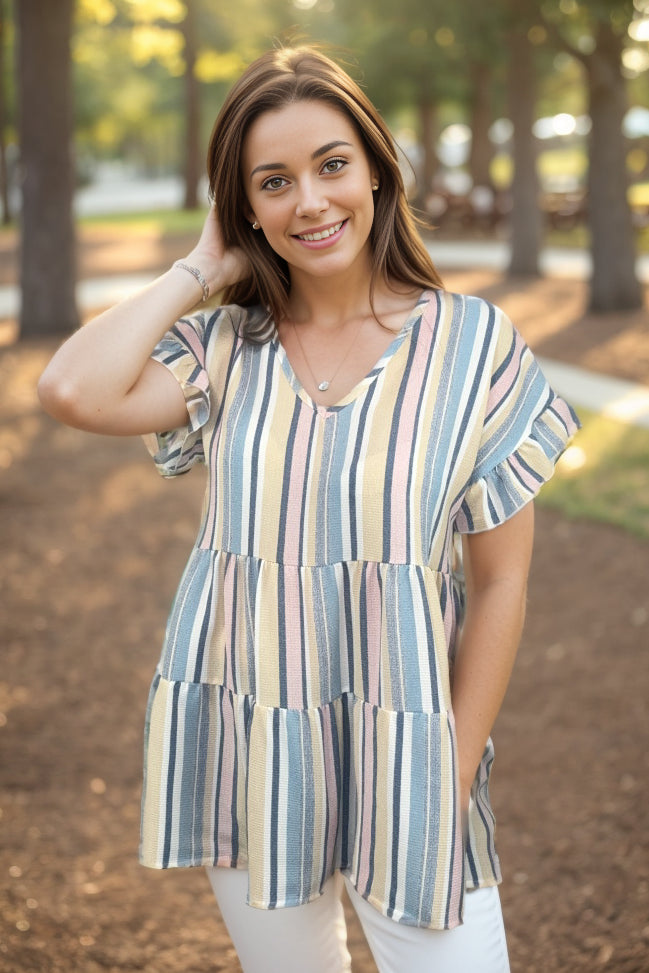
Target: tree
x=526, y=218
x=5, y=211
x=193, y=155
x=595, y=34
x=47, y=252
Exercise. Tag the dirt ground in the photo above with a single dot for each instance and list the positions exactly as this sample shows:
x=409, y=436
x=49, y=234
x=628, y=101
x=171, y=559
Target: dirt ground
x=92, y=545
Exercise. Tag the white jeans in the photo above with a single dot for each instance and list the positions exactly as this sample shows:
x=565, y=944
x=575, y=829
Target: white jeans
x=312, y=938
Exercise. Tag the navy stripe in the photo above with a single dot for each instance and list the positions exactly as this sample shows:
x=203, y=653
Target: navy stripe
x=370, y=877
x=286, y=479
x=281, y=636
x=173, y=743
x=392, y=448
x=254, y=463
x=274, y=814
x=353, y=470
x=396, y=820
x=219, y=770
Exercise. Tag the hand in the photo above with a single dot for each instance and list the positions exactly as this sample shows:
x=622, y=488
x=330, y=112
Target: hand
x=220, y=266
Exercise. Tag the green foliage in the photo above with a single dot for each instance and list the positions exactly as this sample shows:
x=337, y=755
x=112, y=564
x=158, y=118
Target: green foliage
x=604, y=476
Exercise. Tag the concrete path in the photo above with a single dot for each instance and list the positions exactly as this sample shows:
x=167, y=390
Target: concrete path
x=621, y=400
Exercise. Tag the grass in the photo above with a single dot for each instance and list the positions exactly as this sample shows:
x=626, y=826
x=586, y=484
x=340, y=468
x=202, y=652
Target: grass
x=604, y=475
x=161, y=221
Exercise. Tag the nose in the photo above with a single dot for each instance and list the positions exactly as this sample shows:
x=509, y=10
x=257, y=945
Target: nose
x=311, y=200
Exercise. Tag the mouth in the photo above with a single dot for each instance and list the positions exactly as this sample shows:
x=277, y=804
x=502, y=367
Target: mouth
x=323, y=234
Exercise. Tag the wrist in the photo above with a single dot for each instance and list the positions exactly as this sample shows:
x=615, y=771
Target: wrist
x=195, y=271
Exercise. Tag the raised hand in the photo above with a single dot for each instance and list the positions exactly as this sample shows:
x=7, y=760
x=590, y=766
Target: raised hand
x=219, y=265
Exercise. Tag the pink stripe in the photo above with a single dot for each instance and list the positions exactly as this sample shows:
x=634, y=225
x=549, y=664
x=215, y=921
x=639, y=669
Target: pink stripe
x=563, y=411
x=403, y=453
x=374, y=627
x=330, y=784
x=225, y=782
x=296, y=489
x=499, y=391
x=368, y=801
x=292, y=624
x=530, y=481
x=191, y=337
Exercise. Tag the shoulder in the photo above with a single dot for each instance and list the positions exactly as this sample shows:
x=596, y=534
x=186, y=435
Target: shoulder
x=464, y=320
x=223, y=324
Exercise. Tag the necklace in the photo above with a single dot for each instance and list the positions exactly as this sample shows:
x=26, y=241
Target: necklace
x=324, y=385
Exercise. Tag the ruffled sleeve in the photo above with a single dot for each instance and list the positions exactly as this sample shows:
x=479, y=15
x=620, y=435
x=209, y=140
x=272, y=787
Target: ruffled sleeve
x=183, y=352
x=526, y=427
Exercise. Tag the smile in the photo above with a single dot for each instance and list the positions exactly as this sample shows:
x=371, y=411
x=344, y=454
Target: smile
x=321, y=234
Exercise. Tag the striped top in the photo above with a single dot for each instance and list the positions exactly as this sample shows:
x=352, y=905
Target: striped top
x=300, y=717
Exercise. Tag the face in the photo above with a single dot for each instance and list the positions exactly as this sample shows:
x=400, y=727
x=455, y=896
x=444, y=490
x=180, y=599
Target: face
x=309, y=184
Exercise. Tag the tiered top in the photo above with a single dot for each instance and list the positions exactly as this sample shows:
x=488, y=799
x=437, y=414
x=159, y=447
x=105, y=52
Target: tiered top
x=300, y=718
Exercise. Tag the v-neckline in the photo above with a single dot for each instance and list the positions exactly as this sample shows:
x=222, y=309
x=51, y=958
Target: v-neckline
x=361, y=386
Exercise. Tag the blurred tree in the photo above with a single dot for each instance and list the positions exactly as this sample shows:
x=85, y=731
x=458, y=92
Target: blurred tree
x=410, y=57
x=6, y=24
x=193, y=154
x=520, y=22
x=595, y=33
x=525, y=216
x=47, y=253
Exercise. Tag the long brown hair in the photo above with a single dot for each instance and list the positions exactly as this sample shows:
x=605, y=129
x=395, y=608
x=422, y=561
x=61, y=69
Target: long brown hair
x=278, y=78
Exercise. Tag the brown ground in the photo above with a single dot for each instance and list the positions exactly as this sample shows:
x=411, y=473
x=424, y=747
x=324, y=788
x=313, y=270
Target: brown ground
x=92, y=545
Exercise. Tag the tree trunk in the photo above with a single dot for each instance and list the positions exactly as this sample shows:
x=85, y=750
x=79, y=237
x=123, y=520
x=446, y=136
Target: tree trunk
x=428, y=130
x=481, y=149
x=614, y=285
x=526, y=217
x=5, y=210
x=47, y=257
x=192, y=110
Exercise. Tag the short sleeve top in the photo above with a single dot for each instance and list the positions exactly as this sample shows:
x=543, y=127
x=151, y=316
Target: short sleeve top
x=300, y=718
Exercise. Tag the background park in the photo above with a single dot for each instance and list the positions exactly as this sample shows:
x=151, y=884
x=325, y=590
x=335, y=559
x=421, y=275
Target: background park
x=524, y=129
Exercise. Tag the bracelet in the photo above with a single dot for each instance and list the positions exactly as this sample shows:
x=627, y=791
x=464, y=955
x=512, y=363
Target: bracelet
x=195, y=272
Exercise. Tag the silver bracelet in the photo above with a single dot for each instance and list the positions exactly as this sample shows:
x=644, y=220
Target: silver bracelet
x=195, y=272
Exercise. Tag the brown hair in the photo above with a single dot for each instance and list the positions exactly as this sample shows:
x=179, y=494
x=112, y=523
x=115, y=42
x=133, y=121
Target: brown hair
x=278, y=78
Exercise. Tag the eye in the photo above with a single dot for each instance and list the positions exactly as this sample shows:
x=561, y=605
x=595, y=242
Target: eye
x=274, y=183
x=334, y=165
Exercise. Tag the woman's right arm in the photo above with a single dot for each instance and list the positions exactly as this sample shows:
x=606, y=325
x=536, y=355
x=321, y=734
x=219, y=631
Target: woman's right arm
x=102, y=378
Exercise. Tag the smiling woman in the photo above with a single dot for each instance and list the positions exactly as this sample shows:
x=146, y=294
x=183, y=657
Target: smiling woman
x=345, y=629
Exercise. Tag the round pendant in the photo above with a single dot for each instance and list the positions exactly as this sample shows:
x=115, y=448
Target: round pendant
x=323, y=386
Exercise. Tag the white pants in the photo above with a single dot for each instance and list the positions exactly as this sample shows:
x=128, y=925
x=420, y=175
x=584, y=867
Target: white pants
x=312, y=938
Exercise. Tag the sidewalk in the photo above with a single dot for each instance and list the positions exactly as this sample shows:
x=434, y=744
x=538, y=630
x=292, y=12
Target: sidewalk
x=621, y=400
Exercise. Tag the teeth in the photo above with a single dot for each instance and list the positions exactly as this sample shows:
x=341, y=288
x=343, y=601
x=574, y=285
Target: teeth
x=323, y=234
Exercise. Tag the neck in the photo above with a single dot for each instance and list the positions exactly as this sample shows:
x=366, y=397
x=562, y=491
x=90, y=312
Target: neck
x=331, y=302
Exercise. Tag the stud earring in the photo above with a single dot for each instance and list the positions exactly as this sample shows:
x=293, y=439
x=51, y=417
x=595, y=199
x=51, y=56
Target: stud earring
x=255, y=225
x=375, y=187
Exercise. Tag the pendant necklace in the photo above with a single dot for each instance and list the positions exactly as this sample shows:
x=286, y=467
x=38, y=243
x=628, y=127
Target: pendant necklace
x=324, y=385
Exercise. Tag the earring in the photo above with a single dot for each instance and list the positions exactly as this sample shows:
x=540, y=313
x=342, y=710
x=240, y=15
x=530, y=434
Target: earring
x=255, y=225
x=375, y=187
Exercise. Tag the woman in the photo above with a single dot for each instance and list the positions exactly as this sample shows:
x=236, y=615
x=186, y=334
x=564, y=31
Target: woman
x=316, y=713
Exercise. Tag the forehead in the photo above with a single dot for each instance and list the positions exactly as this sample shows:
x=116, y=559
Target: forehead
x=295, y=130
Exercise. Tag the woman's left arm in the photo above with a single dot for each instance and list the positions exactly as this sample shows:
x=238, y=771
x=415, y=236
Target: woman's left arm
x=496, y=564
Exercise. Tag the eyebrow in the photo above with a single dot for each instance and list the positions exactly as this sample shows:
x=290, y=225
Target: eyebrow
x=270, y=166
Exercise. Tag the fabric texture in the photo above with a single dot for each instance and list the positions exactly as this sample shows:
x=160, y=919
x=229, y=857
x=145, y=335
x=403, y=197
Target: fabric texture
x=300, y=717
x=313, y=937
